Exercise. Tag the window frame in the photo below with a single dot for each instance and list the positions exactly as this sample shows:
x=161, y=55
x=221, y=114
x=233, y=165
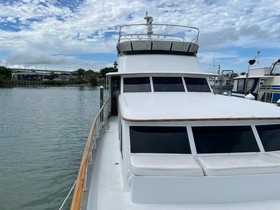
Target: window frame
x=259, y=136
x=152, y=89
x=188, y=148
x=170, y=91
x=134, y=77
x=192, y=91
x=191, y=139
x=217, y=127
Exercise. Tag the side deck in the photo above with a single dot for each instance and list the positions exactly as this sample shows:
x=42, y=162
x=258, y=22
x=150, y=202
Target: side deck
x=107, y=192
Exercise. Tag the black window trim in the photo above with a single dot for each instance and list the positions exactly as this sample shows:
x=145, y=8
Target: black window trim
x=191, y=138
x=136, y=76
x=159, y=75
x=182, y=79
x=207, y=82
x=259, y=137
x=189, y=146
x=201, y=152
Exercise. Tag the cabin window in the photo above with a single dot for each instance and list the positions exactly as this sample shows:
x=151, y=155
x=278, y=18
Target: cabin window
x=224, y=139
x=276, y=69
x=235, y=83
x=251, y=85
x=115, y=91
x=270, y=136
x=136, y=84
x=197, y=84
x=168, y=84
x=240, y=85
x=159, y=140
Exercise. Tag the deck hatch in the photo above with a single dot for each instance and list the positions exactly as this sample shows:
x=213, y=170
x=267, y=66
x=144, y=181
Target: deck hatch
x=224, y=139
x=270, y=136
x=156, y=139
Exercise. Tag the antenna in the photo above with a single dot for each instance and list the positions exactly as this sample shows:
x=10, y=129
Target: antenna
x=251, y=62
x=258, y=57
x=149, y=24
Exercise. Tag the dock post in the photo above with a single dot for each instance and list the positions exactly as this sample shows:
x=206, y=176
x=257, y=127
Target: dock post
x=101, y=102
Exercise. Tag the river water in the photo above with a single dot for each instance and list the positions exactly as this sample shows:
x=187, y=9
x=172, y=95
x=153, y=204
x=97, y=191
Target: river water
x=43, y=132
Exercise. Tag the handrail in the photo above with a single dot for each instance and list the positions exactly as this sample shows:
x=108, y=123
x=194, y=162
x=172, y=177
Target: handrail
x=78, y=192
x=195, y=30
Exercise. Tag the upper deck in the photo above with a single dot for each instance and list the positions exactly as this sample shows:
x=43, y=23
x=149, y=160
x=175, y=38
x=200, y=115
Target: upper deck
x=157, y=39
x=154, y=48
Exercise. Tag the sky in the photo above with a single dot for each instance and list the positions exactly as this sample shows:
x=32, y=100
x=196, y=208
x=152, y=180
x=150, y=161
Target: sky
x=71, y=34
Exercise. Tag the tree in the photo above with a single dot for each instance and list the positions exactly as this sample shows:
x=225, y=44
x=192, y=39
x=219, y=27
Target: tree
x=81, y=72
x=53, y=75
x=93, y=80
x=104, y=71
x=5, y=72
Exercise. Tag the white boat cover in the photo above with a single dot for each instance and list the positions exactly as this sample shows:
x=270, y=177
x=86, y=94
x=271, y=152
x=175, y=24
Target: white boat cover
x=220, y=165
x=165, y=165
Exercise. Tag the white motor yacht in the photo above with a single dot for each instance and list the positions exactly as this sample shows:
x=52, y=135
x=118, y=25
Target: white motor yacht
x=261, y=82
x=163, y=140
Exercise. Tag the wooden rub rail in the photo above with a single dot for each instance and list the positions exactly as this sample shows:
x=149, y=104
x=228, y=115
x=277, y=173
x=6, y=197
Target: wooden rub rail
x=82, y=175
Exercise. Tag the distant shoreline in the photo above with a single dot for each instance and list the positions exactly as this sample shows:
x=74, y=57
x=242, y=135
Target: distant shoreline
x=45, y=85
x=22, y=83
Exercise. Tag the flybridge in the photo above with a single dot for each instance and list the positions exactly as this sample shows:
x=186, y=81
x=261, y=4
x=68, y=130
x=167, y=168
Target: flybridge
x=152, y=38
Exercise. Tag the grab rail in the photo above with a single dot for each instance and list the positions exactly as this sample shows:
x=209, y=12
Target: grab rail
x=187, y=33
x=91, y=143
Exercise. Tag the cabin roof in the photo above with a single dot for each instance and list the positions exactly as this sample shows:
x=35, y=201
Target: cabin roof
x=188, y=106
x=151, y=73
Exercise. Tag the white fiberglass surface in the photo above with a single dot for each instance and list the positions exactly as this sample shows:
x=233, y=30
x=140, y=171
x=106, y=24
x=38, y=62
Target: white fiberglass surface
x=159, y=63
x=107, y=191
x=182, y=105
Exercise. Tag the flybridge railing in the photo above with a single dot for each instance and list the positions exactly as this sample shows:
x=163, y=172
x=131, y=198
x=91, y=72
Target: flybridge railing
x=162, y=32
x=83, y=181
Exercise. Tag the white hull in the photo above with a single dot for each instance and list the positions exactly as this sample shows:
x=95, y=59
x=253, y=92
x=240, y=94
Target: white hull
x=107, y=191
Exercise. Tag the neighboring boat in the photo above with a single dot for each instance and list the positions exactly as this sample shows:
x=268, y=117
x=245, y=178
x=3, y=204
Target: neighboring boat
x=164, y=141
x=262, y=82
x=223, y=83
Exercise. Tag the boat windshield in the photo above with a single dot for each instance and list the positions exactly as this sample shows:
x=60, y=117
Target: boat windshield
x=136, y=84
x=270, y=136
x=168, y=84
x=224, y=139
x=165, y=84
x=205, y=139
x=197, y=84
x=159, y=140
x=276, y=69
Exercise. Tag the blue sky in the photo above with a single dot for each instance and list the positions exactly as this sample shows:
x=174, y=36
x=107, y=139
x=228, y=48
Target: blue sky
x=72, y=34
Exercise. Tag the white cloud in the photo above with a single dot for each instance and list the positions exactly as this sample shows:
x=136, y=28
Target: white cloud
x=47, y=29
x=49, y=62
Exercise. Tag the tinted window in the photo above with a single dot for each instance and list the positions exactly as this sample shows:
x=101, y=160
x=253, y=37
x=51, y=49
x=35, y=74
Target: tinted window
x=197, y=84
x=270, y=136
x=224, y=139
x=159, y=140
x=240, y=86
x=168, y=84
x=137, y=84
x=235, y=82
